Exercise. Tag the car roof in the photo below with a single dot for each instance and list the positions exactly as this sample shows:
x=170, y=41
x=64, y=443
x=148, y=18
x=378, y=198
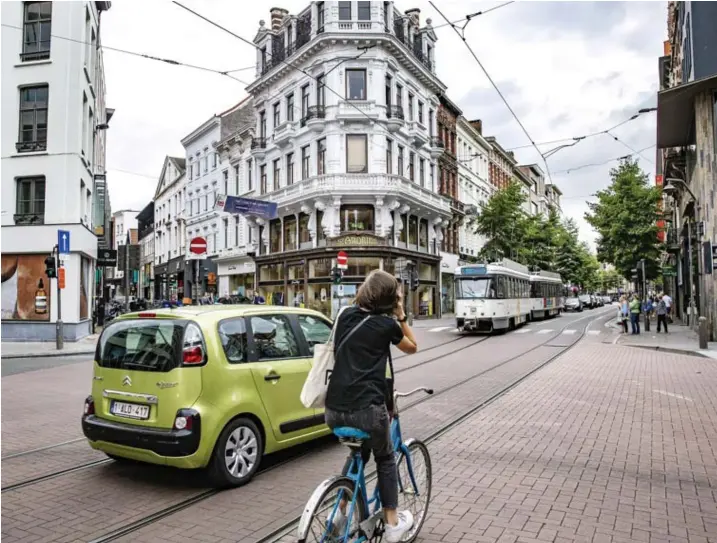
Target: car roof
x=219, y=312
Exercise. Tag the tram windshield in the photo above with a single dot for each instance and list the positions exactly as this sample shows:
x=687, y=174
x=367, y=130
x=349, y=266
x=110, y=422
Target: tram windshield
x=475, y=288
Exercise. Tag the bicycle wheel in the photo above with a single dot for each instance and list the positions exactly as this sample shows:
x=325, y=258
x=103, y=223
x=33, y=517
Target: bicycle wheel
x=414, y=497
x=322, y=518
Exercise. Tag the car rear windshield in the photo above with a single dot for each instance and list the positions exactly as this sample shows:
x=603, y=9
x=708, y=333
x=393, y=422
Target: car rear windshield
x=141, y=345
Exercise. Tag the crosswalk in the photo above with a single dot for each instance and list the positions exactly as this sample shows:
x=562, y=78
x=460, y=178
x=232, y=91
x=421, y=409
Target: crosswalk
x=523, y=330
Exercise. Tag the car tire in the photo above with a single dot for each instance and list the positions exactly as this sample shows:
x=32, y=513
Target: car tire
x=237, y=454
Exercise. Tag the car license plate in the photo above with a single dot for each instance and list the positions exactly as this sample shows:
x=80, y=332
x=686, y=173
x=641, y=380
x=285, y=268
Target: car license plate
x=130, y=410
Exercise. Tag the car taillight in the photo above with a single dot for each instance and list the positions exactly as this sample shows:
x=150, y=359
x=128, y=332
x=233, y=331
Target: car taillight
x=89, y=406
x=147, y=315
x=192, y=355
x=183, y=423
x=187, y=419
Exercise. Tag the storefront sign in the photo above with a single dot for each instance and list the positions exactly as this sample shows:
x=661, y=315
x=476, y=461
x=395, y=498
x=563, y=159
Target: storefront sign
x=357, y=240
x=246, y=206
x=174, y=265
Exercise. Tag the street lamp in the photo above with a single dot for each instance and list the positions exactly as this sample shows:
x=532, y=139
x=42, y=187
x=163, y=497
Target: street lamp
x=671, y=190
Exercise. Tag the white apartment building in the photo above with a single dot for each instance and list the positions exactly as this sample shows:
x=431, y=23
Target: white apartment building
x=53, y=108
x=203, y=182
x=124, y=222
x=145, y=235
x=344, y=147
x=474, y=188
x=169, y=234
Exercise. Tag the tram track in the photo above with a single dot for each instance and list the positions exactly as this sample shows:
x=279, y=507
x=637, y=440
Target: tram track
x=278, y=533
x=49, y=476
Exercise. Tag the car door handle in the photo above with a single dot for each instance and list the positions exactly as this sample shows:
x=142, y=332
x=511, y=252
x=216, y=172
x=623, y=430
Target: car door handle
x=273, y=376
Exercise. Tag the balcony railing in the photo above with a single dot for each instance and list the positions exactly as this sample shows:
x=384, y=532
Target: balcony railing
x=29, y=218
x=30, y=146
x=314, y=112
x=437, y=142
x=258, y=143
x=395, y=112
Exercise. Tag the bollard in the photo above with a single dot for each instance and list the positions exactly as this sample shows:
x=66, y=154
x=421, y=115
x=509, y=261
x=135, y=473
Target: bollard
x=703, y=333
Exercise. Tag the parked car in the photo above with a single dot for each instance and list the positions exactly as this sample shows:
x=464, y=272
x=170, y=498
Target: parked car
x=213, y=387
x=586, y=300
x=573, y=303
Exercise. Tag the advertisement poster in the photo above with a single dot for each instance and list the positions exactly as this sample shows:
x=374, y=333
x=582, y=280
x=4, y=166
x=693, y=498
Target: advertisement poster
x=84, y=286
x=25, y=288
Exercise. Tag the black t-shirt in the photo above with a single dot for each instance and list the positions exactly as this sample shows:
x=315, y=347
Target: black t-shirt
x=359, y=376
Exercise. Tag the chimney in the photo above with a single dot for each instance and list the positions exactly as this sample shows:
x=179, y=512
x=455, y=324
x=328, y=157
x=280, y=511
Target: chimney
x=277, y=17
x=415, y=15
x=478, y=125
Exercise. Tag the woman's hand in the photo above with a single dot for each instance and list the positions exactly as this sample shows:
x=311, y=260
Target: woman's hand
x=399, y=311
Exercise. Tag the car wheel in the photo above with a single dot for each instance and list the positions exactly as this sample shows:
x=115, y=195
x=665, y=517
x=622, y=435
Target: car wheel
x=237, y=454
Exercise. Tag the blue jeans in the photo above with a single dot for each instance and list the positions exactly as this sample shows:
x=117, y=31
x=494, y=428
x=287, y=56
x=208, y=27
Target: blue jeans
x=635, y=321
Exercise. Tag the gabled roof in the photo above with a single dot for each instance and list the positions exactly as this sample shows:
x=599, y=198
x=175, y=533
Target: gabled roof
x=164, y=182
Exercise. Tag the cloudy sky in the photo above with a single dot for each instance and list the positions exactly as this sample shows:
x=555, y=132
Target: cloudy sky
x=566, y=68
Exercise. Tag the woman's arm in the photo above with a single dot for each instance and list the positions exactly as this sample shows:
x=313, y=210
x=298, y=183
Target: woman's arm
x=408, y=344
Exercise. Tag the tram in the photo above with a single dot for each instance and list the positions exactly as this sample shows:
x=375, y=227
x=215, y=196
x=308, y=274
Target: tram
x=492, y=297
x=547, y=295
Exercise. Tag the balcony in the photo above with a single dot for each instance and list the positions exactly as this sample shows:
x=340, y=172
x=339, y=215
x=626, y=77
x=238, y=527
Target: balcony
x=357, y=110
x=437, y=146
x=315, y=118
x=25, y=219
x=418, y=134
x=284, y=133
x=394, y=118
x=30, y=146
x=258, y=147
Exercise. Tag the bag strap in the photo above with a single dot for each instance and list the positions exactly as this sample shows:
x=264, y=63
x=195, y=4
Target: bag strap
x=336, y=323
x=351, y=333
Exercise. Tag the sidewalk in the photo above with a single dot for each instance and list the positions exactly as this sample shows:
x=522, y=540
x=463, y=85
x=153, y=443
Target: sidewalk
x=680, y=339
x=30, y=349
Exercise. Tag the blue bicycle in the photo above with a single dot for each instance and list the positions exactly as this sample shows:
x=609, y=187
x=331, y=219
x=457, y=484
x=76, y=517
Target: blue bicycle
x=363, y=515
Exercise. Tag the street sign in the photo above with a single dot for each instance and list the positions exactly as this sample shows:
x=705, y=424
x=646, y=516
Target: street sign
x=63, y=257
x=246, y=206
x=106, y=257
x=198, y=246
x=63, y=241
x=61, y=277
x=342, y=260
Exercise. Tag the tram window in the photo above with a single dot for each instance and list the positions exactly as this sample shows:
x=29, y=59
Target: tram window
x=500, y=286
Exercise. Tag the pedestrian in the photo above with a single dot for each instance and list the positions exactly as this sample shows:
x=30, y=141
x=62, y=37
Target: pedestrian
x=635, y=314
x=668, y=304
x=360, y=391
x=624, y=313
x=661, y=314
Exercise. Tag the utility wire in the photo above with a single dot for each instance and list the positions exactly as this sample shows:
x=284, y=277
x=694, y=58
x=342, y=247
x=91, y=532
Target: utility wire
x=461, y=35
x=594, y=164
x=142, y=55
x=613, y=136
x=472, y=15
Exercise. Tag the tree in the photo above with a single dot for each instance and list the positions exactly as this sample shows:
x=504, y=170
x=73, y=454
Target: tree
x=625, y=218
x=501, y=221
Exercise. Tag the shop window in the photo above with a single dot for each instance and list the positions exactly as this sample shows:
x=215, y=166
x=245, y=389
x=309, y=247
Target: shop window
x=296, y=272
x=320, y=268
x=361, y=266
x=271, y=272
x=319, y=297
x=427, y=272
x=273, y=294
x=357, y=218
x=232, y=333
x=275, y=236
x=290, y=234
x=403, y=236
x=425, y=297
x=423, y=234
x=412, y=230
x=304, y=234
x=320, y=236
x=274, y=338
x=315, y=330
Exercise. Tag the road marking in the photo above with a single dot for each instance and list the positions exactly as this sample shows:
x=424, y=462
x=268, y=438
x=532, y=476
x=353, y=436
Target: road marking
x=545, y=331
x=673, y=395
x=569, y=332
x=524, y=331
x=440, y=328
x=594, y=332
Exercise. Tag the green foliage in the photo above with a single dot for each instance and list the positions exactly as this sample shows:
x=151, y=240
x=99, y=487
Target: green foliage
x=625, y=217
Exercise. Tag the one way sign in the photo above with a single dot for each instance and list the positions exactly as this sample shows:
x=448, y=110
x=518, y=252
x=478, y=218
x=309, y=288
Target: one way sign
x=63, y=241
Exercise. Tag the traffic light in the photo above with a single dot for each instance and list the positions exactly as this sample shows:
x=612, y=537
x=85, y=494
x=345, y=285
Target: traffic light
x=414, y=279
x=337, y=275
x=50, y=267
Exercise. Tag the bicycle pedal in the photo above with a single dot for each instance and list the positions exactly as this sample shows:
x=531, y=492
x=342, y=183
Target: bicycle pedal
x=373, y=527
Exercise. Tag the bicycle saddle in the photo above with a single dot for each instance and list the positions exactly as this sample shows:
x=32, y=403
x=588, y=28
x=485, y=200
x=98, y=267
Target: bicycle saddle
x=351, y=436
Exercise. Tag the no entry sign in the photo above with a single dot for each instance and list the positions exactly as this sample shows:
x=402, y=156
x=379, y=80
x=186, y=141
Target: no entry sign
x=342, y=259
x=198, y=246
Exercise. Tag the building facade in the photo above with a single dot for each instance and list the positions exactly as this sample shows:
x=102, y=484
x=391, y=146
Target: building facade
x=145, y=235
x=53, y=108
x=123, y=221
x=344, y=148
x=687, y=159
x=537, y=197
x=170, y=274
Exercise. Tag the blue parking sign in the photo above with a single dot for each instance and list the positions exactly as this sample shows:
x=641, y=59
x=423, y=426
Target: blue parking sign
x=63, y=241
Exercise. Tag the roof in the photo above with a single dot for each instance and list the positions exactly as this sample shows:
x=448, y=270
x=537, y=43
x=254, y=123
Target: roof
x=220, y=311
x=450, y=105
x=676, y=112
x=235, y=107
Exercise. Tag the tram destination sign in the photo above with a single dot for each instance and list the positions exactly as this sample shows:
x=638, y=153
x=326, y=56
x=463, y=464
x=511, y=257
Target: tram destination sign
x=474, y=270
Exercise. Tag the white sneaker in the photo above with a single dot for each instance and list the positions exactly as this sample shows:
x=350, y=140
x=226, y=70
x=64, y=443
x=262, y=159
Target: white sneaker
x=394, y=534
x=338, y=523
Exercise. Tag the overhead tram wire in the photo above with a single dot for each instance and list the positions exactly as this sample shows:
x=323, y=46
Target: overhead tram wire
x=595, y=164
x=613, y=136
x=461, y=35
x=472, y=15
x=142, y=55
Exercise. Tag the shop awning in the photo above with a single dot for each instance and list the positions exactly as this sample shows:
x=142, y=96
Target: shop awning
x=676, y=112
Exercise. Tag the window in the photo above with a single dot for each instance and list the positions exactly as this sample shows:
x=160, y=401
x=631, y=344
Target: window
x=263, y=59
x=277, y=174
x=389, y=156
x=275, y=236
x=191, y=207
x=356, y=153
x=249, y=175
x=321, y=90
x=232, y=333
x=400, y=171
x=30, y=196
x=304, y=234
x=237, y=188
x=389, y=88
x=412, y=230
x=364, y=11
x=290, y=169
x=399, y=95
x=304, y=102
x=410, y=106
x=321, y=157
x=430, y=122
x=320, y=17
x=277, y=114
x=226, y=233
x=190, y=170
x=225, y=174
x=290, y=234
x=205, y=163
x=262, y=175
x=412, y=166
x=85, y=124
x=356, y=84
x=274, y=337
x=305, y=157
x=262, y=124
x=422, y=172
x=36, y=31
x=344, y=11
x=33, y=118
x=214, y=161
x=420, y=112
x=357, y=218
x=316, y=330
x=290, y=107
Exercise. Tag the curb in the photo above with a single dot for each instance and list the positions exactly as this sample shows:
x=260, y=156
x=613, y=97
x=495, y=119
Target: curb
x=52, y=354
x=668, y=350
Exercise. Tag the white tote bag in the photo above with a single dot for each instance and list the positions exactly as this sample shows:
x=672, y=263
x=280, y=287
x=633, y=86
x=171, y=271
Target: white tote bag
x=313, y=395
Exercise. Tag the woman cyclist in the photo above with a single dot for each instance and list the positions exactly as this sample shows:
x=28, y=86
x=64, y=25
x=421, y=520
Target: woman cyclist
x=360, y=395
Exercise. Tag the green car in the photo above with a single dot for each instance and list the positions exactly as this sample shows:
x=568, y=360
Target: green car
x=213, y=387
